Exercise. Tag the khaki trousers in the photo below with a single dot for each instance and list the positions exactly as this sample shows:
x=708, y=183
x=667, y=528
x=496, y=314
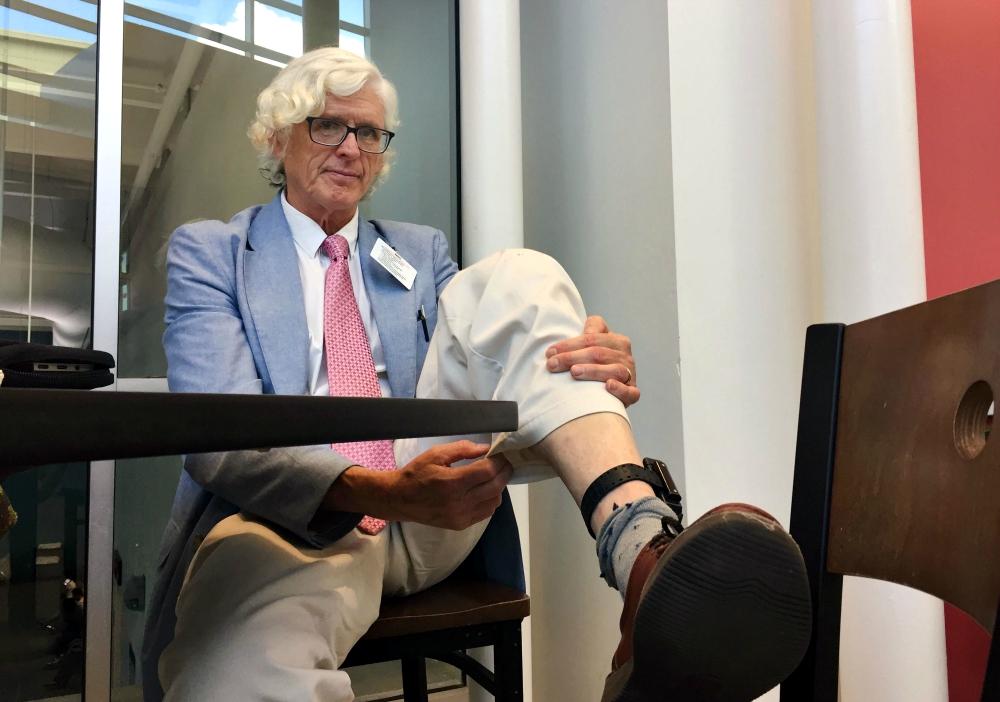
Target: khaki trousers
x=261, y=617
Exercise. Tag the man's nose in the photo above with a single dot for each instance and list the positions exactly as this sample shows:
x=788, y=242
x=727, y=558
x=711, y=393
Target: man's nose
x=349, y=147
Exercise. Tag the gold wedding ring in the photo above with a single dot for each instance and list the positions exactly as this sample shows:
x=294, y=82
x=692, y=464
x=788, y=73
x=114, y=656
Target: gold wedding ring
x=629, y=375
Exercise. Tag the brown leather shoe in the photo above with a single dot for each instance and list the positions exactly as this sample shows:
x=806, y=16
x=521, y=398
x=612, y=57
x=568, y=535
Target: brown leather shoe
x=718, y=612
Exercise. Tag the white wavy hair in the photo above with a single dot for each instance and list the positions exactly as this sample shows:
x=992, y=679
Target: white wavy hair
x=299, y=91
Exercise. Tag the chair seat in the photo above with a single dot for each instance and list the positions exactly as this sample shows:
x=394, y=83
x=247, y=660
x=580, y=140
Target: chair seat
x=450, y=604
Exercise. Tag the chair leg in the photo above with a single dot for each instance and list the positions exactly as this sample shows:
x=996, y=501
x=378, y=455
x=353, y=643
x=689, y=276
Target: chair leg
x=991, y=684
x=414, y=679
x=507, y=663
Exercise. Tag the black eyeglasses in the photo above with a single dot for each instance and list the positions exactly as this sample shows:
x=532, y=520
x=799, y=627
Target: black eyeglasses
x=330, y=132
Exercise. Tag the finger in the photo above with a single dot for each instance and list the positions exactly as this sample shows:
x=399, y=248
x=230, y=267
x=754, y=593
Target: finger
x=591, y=371
x=618, y=342
x=595, y=324
x=485, y=510
x=469, y=513
x=490, y=489
x=478, y=473
x=628, y=394
x=598, y=355
x=584, y=341
x=446, y=454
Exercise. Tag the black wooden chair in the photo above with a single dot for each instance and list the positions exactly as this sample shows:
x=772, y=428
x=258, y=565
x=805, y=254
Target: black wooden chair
x=481, y=604
x=442, y=623
x=896, y=477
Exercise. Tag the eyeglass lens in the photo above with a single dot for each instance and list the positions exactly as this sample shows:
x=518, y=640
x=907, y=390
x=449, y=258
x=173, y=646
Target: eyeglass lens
x=331, y=133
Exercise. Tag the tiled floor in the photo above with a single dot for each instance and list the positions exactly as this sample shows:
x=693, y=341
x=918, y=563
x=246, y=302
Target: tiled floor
x=134, y=694
x=384, y=682
x=377, y=683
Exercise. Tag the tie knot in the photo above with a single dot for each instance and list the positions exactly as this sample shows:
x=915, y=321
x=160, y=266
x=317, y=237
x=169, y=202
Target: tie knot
x=336, y=247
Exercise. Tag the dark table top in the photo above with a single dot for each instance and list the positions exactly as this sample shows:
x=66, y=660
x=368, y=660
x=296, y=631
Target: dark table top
x=39, y=427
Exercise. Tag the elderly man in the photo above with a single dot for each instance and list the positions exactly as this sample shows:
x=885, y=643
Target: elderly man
x=275, y=561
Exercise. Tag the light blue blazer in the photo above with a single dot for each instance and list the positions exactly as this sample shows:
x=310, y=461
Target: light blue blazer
x=237, y=324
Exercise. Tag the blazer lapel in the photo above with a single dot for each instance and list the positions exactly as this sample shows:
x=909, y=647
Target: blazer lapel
x=395, y=314
x=274, y=296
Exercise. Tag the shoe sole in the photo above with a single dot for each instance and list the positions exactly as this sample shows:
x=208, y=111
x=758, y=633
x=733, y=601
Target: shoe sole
x=726, y=616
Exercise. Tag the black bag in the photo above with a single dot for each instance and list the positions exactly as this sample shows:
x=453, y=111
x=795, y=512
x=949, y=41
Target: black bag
x=42, y=366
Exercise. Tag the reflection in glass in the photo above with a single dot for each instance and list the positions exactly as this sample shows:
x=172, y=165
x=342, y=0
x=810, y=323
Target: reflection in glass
x=185, y=155
x=46, y=167
x=413, y=44
x=47, y=106
x=43, y=584
x=143, y=488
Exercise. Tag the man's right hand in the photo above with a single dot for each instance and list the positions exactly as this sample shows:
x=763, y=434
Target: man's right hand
x=428, y=490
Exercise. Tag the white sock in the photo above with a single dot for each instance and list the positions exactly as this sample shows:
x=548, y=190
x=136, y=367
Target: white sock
x=623, y=535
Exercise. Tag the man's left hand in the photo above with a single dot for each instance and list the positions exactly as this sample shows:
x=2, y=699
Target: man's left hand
x=598, y=354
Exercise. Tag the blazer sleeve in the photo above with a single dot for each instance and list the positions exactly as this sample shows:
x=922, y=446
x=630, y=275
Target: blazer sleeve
x=444, y=267
x=208, y=351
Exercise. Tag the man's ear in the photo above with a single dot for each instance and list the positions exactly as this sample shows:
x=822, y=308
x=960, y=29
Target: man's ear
x=278, y=143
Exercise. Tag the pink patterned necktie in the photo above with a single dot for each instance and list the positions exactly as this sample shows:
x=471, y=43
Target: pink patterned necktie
x=349, y=365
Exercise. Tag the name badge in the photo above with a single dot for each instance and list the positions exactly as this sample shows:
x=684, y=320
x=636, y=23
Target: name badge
x=397, y=266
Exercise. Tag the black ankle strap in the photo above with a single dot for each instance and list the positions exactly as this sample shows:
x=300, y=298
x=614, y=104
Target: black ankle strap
x=652, y=471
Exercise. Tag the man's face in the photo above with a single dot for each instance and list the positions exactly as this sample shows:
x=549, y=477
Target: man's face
x=330, y=179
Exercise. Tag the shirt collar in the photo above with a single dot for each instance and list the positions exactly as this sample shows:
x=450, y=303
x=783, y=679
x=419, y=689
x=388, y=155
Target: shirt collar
x=309, y=236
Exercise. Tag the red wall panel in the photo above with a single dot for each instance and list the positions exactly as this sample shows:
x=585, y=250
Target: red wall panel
x=956, y=47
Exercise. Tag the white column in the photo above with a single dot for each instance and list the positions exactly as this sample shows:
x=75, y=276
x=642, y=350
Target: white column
x=492, y=197
x=747, y=241
x=108, y=168
x=111, y=28
x=892, y=638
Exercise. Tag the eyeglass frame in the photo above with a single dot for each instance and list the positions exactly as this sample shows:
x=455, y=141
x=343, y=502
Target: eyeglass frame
x=350, y=130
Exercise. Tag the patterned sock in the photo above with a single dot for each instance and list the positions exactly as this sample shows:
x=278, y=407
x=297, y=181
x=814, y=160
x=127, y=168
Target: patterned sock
x=622, y=536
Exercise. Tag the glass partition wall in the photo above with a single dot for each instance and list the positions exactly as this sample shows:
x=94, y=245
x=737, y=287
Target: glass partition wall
x=190, y=84
x=47, y=145
x=190, y=71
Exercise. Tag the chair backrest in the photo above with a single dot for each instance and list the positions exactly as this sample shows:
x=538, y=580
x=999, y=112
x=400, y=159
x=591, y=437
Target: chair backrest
x=895, y=476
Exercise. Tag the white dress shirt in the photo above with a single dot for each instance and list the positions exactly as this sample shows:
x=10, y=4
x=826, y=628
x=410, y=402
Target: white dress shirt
x=313, y=262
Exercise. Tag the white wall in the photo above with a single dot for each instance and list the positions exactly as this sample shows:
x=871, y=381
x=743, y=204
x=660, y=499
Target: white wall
x=892, y=638
x=597, y=197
